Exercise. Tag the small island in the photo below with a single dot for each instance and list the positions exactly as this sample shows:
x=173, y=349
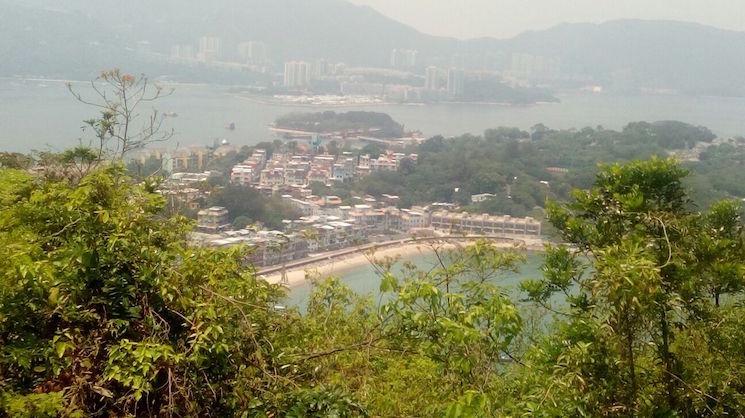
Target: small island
x=373, y=124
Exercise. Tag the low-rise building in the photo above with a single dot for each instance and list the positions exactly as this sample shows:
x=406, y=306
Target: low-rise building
x=341, y=172
x=304, y=207
x=189, y=159
x=390, y=200
x=383, y=163
x=368, y=218
x=188, y=179
x=243, y=174
x=271, y=177
x=296, y=176
x=412, y=220
x=270, y=248
x=467, y=223
x=266, y=247
x=214, y=219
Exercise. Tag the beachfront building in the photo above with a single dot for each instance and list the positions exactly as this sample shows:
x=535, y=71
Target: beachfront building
x=315, y=205
x=410, y=219
x=333, y=235
x=326, y=232
x=468, y=223
x=297, y=74
x=266, y=248
x=368, y=218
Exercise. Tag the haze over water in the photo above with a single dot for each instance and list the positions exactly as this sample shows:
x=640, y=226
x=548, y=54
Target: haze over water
x=43, y=115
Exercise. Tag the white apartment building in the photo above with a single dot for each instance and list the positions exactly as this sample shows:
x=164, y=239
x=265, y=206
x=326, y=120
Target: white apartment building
x=468, y=223
x=209, y=48
x=432, y=78
x=297, y=74
x=242, y=174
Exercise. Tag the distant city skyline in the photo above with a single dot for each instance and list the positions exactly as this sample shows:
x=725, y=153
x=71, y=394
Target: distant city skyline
x=507, y=18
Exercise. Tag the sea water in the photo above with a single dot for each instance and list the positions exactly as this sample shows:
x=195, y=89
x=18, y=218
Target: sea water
x=42, y=115
x=365, y=281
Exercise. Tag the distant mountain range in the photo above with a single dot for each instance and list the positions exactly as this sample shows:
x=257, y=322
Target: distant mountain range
x=76, y=38
x=628, y=54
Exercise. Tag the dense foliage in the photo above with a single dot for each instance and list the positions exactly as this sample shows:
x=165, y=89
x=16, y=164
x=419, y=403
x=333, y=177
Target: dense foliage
x=646, y=332
x=247, y=205
x=106, y=310
x=103, y=307
x=491, y=90
x=524, y=168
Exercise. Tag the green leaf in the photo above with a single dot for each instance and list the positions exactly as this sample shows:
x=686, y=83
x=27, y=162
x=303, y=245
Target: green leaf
x=388, y=283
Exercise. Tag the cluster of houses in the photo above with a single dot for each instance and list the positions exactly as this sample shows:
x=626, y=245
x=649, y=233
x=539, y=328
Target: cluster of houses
x=288, y=172
x=184, y=191
x=328, y=225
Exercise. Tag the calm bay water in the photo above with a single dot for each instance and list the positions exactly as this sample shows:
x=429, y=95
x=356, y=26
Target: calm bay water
x=363, y=280
x=43, y=115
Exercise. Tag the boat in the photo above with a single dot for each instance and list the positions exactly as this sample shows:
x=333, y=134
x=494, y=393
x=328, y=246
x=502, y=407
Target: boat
x=170, y=114
x=230, y=126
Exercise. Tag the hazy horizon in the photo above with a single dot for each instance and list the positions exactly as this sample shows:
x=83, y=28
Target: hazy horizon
x=466, y=19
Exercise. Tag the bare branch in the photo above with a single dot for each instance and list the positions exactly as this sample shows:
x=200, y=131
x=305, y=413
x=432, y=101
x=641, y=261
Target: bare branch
x=119, y=97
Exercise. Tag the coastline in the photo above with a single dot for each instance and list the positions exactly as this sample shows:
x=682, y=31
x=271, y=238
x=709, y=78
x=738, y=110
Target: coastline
x=338, y=266
x=271, y=101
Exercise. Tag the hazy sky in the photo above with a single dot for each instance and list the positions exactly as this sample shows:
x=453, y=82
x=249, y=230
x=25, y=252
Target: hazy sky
x=505, y=18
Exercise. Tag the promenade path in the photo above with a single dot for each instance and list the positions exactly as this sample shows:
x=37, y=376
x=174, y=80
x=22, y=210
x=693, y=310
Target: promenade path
x=528, y=241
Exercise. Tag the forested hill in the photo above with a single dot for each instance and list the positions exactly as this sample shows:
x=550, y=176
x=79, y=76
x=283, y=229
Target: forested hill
x=332, y=29
x=524, y=168
x=633, y=54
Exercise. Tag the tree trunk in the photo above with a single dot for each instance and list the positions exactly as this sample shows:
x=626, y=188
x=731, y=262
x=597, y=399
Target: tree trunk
x=671, y=382
x=632, y=373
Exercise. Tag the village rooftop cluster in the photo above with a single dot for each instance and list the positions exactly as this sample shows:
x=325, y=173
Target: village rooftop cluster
x=329, y=223
x=293, y=174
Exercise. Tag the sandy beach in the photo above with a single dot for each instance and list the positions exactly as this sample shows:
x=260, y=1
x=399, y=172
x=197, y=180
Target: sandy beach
x=339, y=266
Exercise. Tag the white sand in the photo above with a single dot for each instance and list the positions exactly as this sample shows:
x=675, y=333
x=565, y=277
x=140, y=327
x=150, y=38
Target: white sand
x=338, y=266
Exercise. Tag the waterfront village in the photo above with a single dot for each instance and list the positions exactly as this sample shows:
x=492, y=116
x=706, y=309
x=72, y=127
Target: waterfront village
x=326, y=223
